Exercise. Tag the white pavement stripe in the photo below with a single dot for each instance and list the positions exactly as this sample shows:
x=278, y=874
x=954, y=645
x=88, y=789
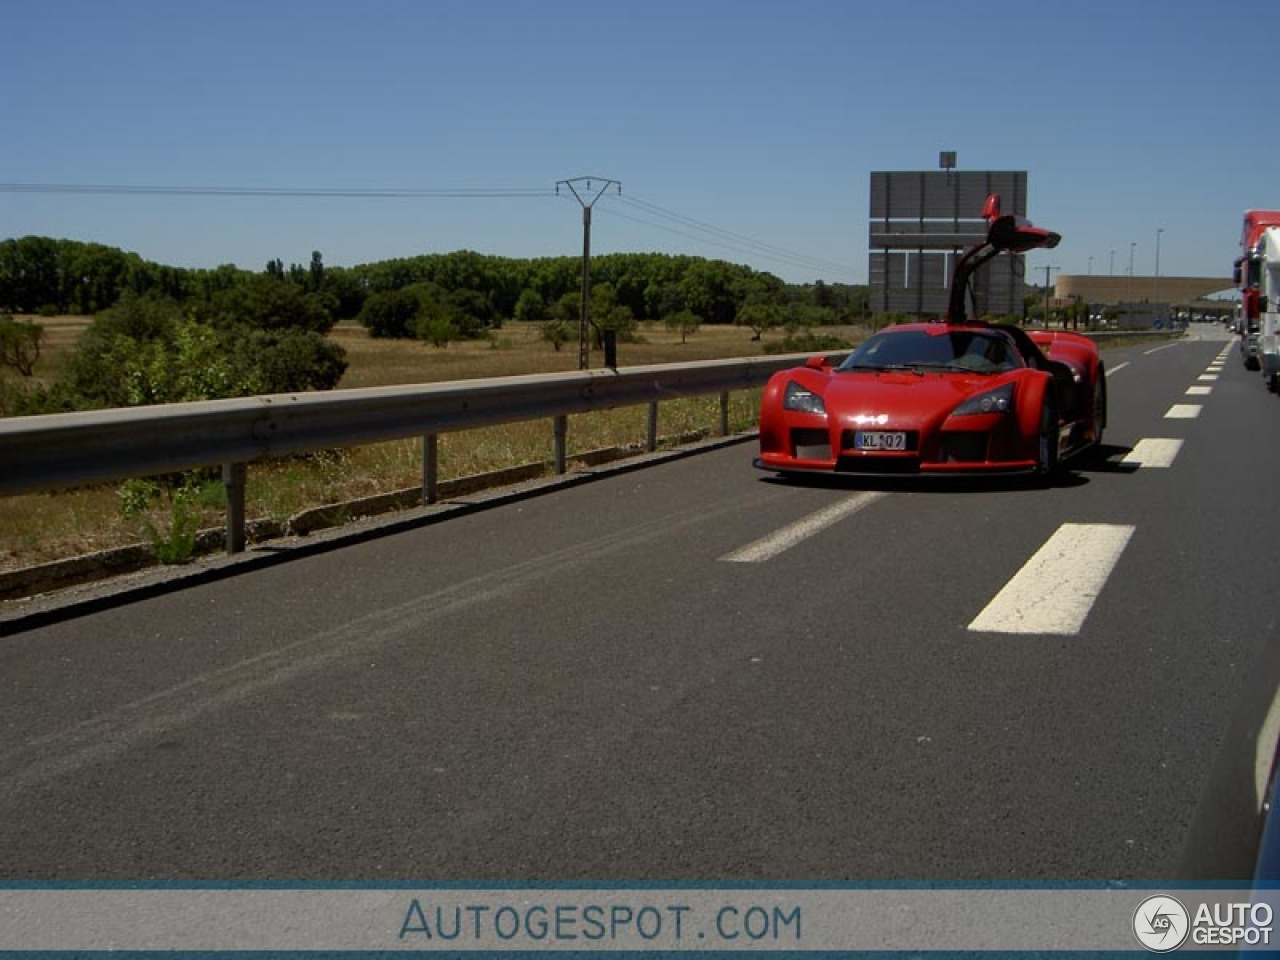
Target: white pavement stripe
x=1055, y=590
x=1183, y=411
x=779, y=541
x=1117, y=368
x=1199, y=391
x=1154, y=452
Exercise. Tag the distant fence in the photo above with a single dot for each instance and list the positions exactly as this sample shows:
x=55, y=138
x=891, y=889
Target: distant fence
x=59, y=451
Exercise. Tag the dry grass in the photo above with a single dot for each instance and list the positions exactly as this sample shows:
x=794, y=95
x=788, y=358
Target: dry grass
x=40, y=527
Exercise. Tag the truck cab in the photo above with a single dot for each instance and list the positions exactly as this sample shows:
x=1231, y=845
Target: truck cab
x=1259, y=293
x=1268, y=344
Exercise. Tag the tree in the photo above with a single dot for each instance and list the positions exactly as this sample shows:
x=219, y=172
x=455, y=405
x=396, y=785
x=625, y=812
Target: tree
x=530, y=307
x=471, y=312
x=760, y=317
x=390, y=314
x=684, y=323
x=272, y=302
x=20, y=345
x=556, y=332
x=663, y=299
x=145, y=351
x=288, y=361
x=316, y=272
x=438, y=330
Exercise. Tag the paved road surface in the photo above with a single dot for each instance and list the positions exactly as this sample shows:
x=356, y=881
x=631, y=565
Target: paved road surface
x=693, y=671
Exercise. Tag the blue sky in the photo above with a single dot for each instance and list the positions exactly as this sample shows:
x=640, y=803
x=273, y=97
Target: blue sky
x=739, y=129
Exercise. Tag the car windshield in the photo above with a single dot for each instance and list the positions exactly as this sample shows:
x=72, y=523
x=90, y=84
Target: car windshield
x=976, y=351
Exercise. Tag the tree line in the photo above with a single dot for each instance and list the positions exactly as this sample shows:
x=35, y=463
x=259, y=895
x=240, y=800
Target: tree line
x=164, y=334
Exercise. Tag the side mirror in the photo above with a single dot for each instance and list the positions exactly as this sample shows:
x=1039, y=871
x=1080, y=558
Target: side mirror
x=818, y=363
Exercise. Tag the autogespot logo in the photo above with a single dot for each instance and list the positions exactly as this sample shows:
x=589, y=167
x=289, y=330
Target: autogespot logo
x=1161, y=923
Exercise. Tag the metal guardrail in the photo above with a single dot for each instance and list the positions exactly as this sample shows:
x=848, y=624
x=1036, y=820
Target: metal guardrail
x=58, y=451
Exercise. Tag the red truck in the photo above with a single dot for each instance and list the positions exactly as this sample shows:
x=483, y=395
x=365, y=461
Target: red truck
x=1248, y=278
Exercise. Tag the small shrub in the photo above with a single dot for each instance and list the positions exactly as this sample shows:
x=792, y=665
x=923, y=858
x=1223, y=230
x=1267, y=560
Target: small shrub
x=177, y=544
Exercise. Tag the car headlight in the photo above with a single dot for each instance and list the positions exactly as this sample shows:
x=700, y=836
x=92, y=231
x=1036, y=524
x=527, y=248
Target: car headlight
x=802, y=399
x=999, y=400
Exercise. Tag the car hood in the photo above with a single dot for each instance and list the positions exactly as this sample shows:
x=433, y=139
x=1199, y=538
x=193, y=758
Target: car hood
x=901, y=400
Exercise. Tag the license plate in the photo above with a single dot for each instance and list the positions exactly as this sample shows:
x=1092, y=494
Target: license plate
x=880, y=440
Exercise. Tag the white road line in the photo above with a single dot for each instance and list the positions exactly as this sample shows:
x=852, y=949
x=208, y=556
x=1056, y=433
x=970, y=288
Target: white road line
x=1055, y=590
x=1154, y=452
x=1183, y=411
x=1167, y=346
x=1199, y=391
x=766, y=548
x=1207, y=377
x=1117, y=368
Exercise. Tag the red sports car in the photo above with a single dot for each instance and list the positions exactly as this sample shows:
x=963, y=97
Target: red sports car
x=949, y=397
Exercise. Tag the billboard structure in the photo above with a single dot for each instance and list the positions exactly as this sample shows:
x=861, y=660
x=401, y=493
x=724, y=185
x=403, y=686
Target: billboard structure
x=921, y=221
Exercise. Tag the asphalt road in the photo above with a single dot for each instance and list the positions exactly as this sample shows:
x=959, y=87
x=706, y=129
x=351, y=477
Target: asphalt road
x=692, y=671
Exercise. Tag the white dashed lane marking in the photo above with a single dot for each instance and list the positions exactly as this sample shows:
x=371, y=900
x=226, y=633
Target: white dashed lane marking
x=1183, y=411
x=1154, y=452
x=1055, y=590
x=766, y=548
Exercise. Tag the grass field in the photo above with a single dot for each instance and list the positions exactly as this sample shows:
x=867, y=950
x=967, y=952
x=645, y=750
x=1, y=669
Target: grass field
x=40, y=527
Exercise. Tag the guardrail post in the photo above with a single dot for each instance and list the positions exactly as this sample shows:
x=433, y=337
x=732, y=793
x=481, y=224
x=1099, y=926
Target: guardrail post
x=430, y=468
x=724, y=414
x=651, y=439
x=233, y=482
x=560, y=428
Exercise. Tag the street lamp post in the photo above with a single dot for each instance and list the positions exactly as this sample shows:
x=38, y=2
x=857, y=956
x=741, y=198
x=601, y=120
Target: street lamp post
x=1129, y=295
x=1155, y=297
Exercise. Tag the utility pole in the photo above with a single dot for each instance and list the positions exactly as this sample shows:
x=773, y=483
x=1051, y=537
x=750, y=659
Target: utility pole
x=1047, y=288
x=586, y=192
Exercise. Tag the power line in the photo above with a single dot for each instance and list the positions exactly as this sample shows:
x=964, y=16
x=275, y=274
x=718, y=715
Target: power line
x=667, y=220
x=727, y=234
x=791, y=259
x=726, y=239
x=109, y=189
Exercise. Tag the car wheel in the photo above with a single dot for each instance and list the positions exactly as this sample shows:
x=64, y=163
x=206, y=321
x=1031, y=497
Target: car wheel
x=1047, y=443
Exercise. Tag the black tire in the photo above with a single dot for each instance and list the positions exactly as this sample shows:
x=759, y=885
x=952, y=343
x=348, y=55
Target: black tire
x=1047, y=445
x=1099, y=406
